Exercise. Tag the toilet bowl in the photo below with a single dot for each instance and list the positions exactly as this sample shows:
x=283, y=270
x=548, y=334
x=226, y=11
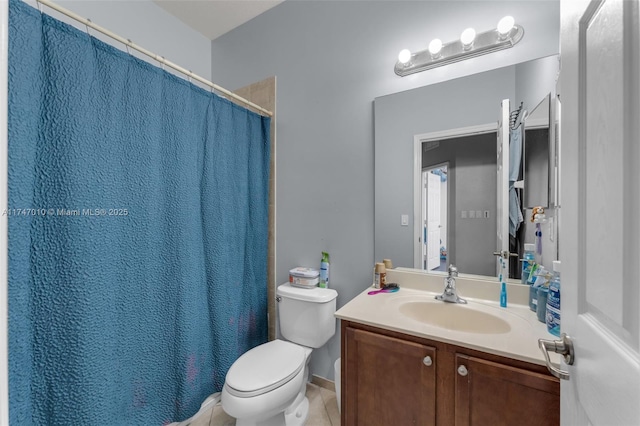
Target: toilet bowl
x=266, y=386
x=264, y=382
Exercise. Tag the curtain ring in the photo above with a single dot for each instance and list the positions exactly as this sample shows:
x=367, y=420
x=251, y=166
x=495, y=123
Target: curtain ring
x=86, y=24
x=189, y=76
x=127, y=45
x=162, y=63
x=39, y=6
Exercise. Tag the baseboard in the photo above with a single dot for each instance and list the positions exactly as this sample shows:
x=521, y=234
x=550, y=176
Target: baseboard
x=323, y=383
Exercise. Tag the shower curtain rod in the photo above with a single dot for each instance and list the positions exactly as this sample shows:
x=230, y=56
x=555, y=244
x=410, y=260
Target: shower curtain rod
x=152, y=55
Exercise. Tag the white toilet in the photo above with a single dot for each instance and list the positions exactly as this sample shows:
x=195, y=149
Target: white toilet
x=266, y=385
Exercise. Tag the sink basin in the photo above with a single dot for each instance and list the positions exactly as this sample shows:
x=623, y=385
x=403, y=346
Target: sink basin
x=452, y=316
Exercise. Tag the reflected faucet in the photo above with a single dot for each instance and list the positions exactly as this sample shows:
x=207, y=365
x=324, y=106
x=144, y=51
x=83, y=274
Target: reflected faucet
x=450, y=294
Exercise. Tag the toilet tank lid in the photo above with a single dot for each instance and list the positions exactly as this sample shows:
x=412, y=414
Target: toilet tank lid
x=311, y=294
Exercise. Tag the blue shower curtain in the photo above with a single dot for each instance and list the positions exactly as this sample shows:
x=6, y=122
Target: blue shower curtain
x=138, y=207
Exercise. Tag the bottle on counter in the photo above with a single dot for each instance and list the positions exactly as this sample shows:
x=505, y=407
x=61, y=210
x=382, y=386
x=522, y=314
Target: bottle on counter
x=324, y=271
x=380, y=279
x=541, y=280
x=543, y=292
x=553, y=302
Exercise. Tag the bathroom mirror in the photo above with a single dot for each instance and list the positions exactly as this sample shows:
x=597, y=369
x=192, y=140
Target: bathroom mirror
x=467, y=102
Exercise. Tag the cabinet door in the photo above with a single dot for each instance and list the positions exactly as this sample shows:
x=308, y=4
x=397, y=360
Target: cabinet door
x=388, y=381
x=488, y=393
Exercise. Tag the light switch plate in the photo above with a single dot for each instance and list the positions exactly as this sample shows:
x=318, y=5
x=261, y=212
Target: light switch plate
x=472, y=214
x=404, y=220
x=463, y=214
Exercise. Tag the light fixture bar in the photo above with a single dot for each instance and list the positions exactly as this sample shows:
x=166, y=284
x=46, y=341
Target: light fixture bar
x=486, y=42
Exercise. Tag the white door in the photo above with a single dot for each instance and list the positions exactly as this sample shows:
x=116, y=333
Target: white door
x=502, y=188
x=433, y=221
x=600, y=234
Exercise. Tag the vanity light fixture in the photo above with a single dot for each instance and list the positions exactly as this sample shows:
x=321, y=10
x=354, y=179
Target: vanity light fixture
x=435, y=47
x=404, y=56
x=507, y=34
x=467, y=37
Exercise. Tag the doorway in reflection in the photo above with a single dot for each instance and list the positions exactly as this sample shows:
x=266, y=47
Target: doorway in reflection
x=460, y=228
x=434, y=217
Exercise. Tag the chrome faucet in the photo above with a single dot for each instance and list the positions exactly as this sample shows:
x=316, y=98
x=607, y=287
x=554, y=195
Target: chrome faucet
x=450, y=294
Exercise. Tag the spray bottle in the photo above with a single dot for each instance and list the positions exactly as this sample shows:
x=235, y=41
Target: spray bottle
x=324, y=271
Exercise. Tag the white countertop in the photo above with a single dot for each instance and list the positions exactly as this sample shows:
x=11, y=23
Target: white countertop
x=520, y=342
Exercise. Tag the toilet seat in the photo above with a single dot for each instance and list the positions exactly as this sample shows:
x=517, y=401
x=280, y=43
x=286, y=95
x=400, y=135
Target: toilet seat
x=264, y=368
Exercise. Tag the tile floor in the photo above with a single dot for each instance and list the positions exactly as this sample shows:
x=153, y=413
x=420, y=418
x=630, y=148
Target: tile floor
x=323, y=410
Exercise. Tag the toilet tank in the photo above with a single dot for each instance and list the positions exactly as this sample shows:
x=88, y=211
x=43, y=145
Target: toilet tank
x=306, y=314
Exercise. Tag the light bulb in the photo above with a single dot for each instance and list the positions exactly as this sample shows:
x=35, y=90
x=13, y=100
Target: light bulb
x=467, y=37
x=435, y=47
x=505, y=25
x=404, y=56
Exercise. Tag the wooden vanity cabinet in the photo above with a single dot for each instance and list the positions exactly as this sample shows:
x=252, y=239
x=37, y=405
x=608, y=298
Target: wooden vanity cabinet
x=391, y=381
x=390, y=378
x=491, y=393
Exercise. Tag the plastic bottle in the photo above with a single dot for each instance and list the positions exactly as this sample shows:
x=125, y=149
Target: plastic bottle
x=380, y=275
x=541, y=277
x=528, y=261
x=553, y=302
x=324, y=271
x=543, y=293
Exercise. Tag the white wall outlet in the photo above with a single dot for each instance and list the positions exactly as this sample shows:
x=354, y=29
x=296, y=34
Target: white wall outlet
x=463, y=214
x=404, y=220
x=486, y=214
x=472, y=214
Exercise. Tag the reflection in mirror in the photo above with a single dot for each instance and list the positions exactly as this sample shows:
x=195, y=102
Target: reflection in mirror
x=471, y=101
x=469, y=187
x=536, y=156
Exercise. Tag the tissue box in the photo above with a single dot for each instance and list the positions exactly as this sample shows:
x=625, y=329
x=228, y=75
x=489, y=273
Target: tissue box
x=303, y=277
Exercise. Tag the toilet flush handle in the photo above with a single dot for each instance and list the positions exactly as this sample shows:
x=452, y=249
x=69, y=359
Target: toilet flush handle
x=278, y=299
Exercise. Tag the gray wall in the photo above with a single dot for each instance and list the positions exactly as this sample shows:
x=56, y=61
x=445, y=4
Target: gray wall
x=331, y=59
x=147, y=25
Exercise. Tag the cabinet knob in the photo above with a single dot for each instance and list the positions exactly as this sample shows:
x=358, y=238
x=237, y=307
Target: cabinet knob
x=427, y=361
x=462, y=370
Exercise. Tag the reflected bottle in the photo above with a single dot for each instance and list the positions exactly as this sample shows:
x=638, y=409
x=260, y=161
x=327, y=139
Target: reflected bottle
x=528, y=260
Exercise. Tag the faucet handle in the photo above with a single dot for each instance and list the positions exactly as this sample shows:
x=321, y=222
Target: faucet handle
x=453, y=271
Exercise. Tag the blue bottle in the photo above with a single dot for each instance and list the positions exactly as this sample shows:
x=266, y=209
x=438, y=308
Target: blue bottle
x=540, y=280
x=542, y=293
x=528, y=261
x=553, y=301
